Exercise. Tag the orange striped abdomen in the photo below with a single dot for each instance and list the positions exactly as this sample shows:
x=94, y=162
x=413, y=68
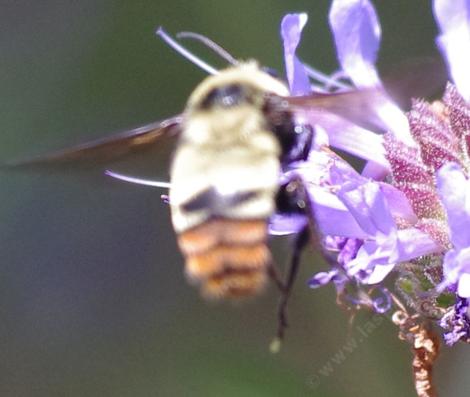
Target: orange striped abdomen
x=227, y=257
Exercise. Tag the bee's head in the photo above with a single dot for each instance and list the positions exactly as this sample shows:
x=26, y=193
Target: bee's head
x=234, y=86
x=227, y=96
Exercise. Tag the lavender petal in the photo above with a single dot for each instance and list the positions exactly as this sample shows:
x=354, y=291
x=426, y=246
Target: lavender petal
x=453, y=18
x=454, y=191
x=357, y=32
x=321, y=279
x=368, y=206
x=291, y=31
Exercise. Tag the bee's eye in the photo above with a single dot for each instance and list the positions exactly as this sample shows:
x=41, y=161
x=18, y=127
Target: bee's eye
x=225, y=96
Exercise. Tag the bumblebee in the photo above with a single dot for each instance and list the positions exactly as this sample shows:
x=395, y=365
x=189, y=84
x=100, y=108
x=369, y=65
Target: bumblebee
x=239, y=130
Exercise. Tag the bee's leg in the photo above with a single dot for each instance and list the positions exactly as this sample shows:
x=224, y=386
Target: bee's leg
x=293, y=198
x=300, y=242
x=274, y=274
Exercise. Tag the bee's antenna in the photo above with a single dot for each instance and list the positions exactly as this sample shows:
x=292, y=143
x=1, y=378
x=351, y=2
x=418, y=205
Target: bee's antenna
x=183, y=51
x=138, y=181
x=222, y=52
x=330, y=81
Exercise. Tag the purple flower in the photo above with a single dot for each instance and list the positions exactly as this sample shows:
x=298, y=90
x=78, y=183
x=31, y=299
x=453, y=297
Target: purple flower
x=357, y=35
x=394, y=224
x=453, y=18
x=323, y=278
x=354, y=21
x=457, y=322
x=374, y=244
x=454, y=190
x=356, y=31
x=347, y=250
x=385, y=245
x=318, y=172
x=291, y=30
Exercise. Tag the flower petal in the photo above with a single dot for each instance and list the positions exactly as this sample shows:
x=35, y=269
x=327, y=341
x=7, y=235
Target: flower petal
x=375, y=171
x=453, y=18
x=456, y=322
x=351, y=138
x=378, y=258
x=398, y=203
x=454, y=191
x=378, y=274
x=322, y=278
x=457, y=270
x=368, y=206
x=463, y=289
x=372, y=263
x=349, y=250
x=332, y=216
x=282, y=224
x=291, y=31
x=320, y=172
x=413, y=243
x=357, y=32
x=396, y=121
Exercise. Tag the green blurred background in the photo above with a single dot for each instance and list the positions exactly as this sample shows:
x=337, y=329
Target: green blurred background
x=93, y=301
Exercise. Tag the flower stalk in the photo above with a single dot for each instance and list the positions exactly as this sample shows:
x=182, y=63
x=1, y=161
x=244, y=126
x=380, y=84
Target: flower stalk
x=425, y=348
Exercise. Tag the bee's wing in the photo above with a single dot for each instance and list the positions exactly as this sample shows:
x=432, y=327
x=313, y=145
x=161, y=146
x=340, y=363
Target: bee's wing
x=365, y=107
x=109, y=147
x=402, y=84
x=362, y=107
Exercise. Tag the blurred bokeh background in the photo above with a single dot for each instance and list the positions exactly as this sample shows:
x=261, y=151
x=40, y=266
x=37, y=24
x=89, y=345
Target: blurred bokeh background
x=93, y=301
